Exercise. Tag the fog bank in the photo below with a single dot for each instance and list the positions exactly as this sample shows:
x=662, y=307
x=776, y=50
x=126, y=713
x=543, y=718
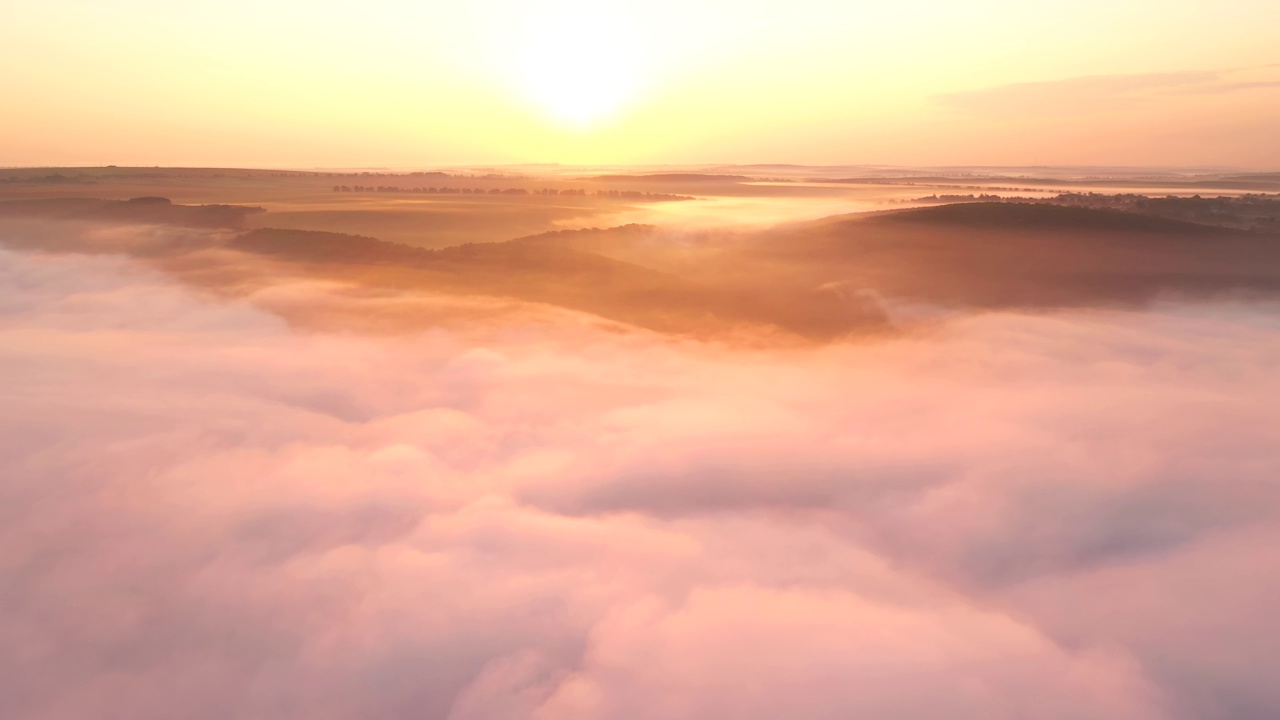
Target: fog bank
x=210, y=512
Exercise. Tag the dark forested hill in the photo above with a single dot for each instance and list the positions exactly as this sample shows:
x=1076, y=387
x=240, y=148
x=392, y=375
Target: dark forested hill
x=155, y=210
x=1024, y=255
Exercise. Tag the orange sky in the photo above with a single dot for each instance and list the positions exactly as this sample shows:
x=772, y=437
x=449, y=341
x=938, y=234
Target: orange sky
x=306, y=84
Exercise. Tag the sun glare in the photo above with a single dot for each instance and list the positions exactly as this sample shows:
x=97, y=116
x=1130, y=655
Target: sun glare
x=579, y=63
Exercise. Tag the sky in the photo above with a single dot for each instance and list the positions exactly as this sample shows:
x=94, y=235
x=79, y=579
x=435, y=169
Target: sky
x=401, y=84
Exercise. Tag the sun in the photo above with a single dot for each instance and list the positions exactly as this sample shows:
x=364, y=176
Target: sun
x=579, y=63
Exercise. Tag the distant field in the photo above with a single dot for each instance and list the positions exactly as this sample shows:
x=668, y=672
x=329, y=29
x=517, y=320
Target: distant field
x=398, y=207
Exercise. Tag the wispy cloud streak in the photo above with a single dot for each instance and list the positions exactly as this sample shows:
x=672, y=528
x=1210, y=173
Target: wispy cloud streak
x=1098, y=93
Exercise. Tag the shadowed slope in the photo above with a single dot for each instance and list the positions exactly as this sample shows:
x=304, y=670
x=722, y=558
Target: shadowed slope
x=151, y=210
x=1023, y=216
x=820, y=280
x=545, y=269
x=548, y=269
x=1014, y=255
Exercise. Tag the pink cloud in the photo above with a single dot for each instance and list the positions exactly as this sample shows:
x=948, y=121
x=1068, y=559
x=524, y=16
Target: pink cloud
x=531, y=514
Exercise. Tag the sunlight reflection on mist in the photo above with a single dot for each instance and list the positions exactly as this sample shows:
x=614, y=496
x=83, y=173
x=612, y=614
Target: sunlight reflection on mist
x=731, y=212
x=805, y=202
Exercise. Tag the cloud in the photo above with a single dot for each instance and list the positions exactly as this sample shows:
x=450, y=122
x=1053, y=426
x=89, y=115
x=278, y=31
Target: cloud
x=1100, y=93
x=209, y=511
x=767, y=653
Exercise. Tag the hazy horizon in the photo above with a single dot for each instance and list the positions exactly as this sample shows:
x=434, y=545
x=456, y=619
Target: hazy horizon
x=758, y=167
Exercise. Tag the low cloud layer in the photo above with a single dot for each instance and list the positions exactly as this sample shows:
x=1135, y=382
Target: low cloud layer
x=210, y=513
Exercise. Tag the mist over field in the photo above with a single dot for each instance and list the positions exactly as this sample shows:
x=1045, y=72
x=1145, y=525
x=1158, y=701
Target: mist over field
x=233, y=490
